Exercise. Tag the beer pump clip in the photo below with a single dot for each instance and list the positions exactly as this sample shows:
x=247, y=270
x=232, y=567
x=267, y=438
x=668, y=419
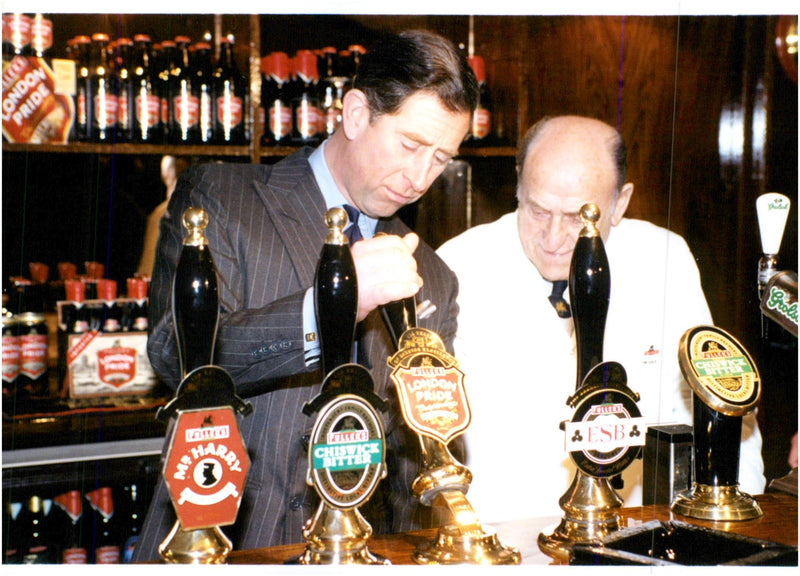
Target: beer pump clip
x=726, y=386
x=777, y=290
x=607, y=431
x=346, y=452
x=434, y=403
x=205, y=462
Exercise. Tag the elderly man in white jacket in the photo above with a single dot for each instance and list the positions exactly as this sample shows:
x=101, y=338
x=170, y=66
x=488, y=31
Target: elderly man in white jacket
x=519, y=356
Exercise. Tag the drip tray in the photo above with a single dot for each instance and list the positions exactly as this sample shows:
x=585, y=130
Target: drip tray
x=673, y=543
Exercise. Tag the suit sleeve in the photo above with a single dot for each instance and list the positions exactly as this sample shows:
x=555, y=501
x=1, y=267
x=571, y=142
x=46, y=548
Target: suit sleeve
x=255, y=344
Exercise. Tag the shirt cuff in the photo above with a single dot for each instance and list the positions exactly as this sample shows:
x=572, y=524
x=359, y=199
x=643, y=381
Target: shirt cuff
x=310, y=340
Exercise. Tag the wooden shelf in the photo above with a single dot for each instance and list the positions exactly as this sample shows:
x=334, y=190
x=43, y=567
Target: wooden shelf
x=206, y=150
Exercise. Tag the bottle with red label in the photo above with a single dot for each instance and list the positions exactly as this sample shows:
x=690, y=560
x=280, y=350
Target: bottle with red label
x=16, y=35
x=184, y=107
x=102, y=95
x=57, y=290
x=41, y=37
x=333, y=85
x=12, y=537
x=276, y=100
x=230, y=90
x=37, y=297
x=481, y=126
x=137, y=292
x=166, y=55
x=146, y=104
x=82, y=48
x=124, y=82
x=11, y=359
x=68, y=527
x=305, y=104
x=112, y=313
x=32, y=381
x=203, y=91
x=105, y=547
x=74, y=315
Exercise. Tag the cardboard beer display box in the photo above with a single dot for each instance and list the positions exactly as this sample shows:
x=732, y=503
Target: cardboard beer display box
x=96, y=362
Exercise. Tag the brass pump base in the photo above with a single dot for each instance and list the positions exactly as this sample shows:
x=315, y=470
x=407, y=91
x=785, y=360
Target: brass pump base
x=590, y=506
x=201, y=546
x=337, y=536
x=453, y=547
x=718, y=503
x=466, y=541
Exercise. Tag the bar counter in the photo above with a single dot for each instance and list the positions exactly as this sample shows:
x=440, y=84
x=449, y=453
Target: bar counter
x=778, y=524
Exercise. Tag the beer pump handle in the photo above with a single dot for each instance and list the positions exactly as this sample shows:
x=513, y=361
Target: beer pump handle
x=399, y=316
x=589, y=290
x=195, y=300
x=772, y=210
x=335, y=294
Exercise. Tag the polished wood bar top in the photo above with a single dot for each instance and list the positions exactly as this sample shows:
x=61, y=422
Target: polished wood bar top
x=778, y=524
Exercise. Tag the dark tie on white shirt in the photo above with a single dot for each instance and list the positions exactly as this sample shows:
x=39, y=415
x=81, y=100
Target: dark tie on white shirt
x=353, y=232
x=557, y=299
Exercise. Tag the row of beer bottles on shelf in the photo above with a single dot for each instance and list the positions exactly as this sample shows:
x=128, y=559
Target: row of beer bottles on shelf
x=38, y=293
x=302, y=96
x=131, y=90
x=99, y=527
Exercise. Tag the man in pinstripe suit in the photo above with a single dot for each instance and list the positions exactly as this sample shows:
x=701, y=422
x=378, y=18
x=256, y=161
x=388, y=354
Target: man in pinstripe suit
x=405, y=117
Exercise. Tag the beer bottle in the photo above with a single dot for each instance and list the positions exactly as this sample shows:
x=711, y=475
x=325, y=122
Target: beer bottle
x=305, y=105
x=137, y=291
x=203, y=91
x=74, y=314
x=83, y=111
x=56, y=291
x=105, y=540
x=111, y=312
x=32, y=381
x=146, y=116
x=132, y=524
x=124, y=81
x=37, y=296
x=69, y=528
x=94, y=272
x=333, y=84
x=184, y=108
x=35, y=547
x=166, y=62
x=102, y=91
x=277, y=105
x=16, y=35
x=229, y=92
x=11, y=361
x=41, y=37
x=12, y=537
x=481, y=125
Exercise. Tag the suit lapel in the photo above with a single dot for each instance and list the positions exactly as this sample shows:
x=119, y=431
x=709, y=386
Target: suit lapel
x=295, y=206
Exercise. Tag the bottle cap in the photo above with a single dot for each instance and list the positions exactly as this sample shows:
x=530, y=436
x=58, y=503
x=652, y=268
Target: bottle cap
x=137, y=288
x=75, y=290
x=39, y=271
x=94, y=269
x=478, y=67
x=107, y=290
x=280, y=66
x=66, y=270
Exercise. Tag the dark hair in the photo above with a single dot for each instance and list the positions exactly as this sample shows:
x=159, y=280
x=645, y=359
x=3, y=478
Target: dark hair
x=400, y=65
x=618, y=151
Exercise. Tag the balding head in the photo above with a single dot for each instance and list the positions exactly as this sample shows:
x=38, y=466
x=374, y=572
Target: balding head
x=564, y=163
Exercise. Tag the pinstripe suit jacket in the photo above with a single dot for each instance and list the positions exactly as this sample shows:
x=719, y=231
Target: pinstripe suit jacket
x=265, y=232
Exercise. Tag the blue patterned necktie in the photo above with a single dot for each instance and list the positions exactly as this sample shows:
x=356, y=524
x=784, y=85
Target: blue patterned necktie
x=353, y=233
x=557, y=299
